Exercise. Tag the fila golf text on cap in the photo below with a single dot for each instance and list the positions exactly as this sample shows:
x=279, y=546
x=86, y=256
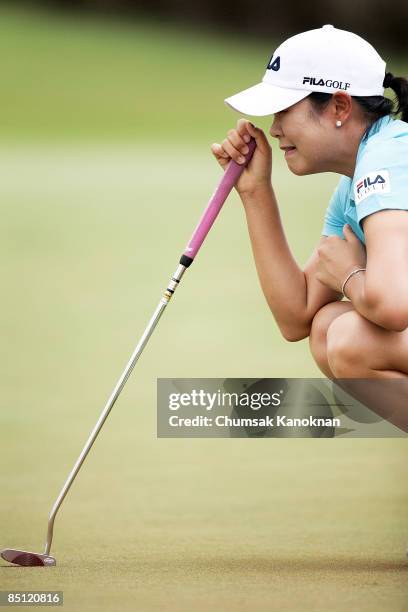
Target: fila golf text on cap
x=325, y=60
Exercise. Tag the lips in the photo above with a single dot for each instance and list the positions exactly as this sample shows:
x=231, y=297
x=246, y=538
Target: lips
x=289, y=150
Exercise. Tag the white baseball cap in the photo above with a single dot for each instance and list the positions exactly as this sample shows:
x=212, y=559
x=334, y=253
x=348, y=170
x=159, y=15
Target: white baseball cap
x=325, y=60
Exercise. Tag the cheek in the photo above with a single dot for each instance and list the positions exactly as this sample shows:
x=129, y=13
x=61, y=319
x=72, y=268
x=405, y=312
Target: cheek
x=308, y=138
x=306, y=160
x=312, y=147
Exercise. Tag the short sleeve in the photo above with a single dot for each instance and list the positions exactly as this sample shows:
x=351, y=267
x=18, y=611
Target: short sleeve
x=334, y=219
x=381, y=179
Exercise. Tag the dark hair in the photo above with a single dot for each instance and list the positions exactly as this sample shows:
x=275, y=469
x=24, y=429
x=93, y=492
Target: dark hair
x=375, y=107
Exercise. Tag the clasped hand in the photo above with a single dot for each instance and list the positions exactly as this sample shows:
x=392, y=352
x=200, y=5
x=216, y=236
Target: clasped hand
x=338, y=257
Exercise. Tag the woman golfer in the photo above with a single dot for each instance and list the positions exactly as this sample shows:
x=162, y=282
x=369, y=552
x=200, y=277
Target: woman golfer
x=325, y=88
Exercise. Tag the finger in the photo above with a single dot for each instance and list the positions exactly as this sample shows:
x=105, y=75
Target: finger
x=221, y=156
x=348, y=233
x=238, y=141
x=234, y=153
x=319, y=276
x=219, y=150
x=242, y=130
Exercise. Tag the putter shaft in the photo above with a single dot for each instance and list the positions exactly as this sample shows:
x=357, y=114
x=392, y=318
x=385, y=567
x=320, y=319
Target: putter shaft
x=175, y=279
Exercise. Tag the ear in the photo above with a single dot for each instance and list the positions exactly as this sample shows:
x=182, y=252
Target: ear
x=342, y=106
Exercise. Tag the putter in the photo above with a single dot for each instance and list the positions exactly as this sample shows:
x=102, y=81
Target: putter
x=227, y=182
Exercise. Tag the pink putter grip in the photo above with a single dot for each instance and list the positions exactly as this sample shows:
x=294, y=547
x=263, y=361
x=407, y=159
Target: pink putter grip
x=231, y=175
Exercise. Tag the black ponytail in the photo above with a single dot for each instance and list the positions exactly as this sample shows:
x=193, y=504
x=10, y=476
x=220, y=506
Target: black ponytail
x=375, y=107
x=400, y=86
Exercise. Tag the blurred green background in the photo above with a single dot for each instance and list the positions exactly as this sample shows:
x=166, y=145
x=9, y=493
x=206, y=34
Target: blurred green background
x=105, y=167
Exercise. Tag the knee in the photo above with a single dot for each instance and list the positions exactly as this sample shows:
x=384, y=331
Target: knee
x=345, y=353
x=317, y=336
x=320, y=325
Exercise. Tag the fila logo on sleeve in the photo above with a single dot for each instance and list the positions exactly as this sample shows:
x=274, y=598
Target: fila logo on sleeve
x=377, y=182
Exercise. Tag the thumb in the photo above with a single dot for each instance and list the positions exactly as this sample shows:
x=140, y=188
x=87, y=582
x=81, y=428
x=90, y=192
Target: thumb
x=348, y=233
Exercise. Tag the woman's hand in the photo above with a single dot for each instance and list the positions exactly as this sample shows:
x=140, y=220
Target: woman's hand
x=257, y=175
x=338, y=257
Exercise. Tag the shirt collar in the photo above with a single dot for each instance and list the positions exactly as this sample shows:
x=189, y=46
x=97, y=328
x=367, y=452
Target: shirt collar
x=374, y=128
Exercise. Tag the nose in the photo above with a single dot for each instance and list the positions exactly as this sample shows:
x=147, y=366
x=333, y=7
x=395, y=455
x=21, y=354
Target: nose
x=275, y=130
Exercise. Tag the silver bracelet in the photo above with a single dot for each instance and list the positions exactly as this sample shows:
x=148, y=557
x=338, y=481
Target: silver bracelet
x=348, y=278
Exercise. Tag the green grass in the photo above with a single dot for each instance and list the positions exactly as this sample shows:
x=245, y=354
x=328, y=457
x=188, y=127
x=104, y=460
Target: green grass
x=64, y=78
x=94, y=79
x=91, y=230
x=88, y=241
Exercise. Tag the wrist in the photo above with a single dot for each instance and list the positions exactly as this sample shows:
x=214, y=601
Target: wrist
x=259, y=193
x=347, y=282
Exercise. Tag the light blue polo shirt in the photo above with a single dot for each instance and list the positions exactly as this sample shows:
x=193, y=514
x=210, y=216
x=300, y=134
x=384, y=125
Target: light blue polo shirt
x=380, y=180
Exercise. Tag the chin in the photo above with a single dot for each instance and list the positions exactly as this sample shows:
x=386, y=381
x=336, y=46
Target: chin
x=302, y=170
x=299, y=171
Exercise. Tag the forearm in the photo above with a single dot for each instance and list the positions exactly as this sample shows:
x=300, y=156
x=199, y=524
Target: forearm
x=282, y=280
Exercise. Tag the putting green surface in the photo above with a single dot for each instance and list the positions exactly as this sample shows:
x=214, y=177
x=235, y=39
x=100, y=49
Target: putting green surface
x=89, y=239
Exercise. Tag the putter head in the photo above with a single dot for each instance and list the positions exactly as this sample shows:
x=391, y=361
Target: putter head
x=27, y=559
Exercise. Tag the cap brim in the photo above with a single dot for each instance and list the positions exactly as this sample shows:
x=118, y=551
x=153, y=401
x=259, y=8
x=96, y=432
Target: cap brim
x=265, y=99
